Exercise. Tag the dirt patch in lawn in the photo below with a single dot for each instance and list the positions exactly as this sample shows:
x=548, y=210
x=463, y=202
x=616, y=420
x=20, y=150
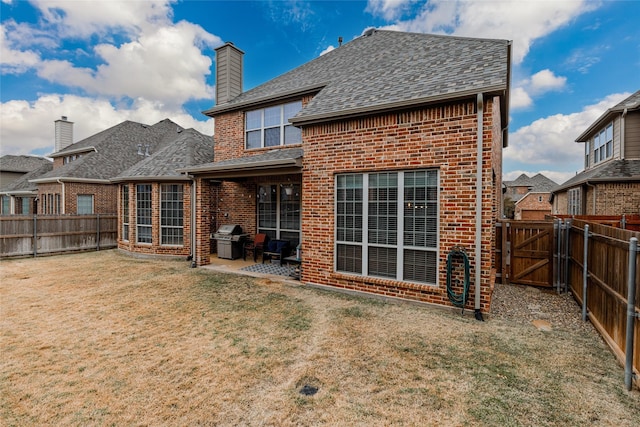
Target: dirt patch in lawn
x=106, y=339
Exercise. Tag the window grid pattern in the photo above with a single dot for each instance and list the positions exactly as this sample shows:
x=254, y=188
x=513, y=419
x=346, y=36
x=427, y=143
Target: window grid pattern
x=574, y=196
x=279, y=212
x=84, y=204
x=411, y=258
x=143, y=213
x=270, y=127
x=171, y=214
x=603, y=144
x=125, y=212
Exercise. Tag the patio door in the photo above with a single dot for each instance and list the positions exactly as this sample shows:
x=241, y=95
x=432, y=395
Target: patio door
x=279, y=211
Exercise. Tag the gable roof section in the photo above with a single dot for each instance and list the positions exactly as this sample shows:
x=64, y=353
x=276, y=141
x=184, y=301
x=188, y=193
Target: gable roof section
x=21, y=164
x=189, y=148
x=280, y=160
x=631, y=103
x=386, y=70
x=611, y=171
x=112, y=151
x=537, y=183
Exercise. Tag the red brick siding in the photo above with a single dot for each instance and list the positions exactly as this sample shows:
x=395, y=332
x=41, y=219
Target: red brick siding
x=154, y=248
x=442, y=137
x=104, y=196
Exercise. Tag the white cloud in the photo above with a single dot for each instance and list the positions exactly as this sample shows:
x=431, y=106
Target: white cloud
x=545, y=80
x=520, y=21
x=519, y=98
x=550, y=141
x=327, y=50
x=389, y=9
x=20, y=134
x=13, y=61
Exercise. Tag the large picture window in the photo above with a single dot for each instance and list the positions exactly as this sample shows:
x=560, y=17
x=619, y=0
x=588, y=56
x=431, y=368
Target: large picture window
x=393, y=231
x=171, y=214
x=125, y=212
x=143, y=213
x=270, y=127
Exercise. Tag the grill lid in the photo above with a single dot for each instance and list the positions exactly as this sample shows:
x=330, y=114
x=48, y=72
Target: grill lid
x=230, y=229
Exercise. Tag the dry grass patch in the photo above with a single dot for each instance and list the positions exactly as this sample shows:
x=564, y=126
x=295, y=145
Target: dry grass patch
x=105, y=339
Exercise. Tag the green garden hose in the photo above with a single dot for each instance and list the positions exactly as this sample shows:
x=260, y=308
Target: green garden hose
x=459, y=300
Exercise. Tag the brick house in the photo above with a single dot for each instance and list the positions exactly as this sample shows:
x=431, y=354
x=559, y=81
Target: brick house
x=154, y=200
x=610, y=181
x=531, y=196
x=80, y=181
x=368, y=155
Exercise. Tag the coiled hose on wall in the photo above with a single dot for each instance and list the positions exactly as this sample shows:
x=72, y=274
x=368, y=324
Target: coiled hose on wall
x=459, y=300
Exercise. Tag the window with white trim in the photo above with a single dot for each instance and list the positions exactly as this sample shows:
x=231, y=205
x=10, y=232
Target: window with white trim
x=143, y=213
x=171, y=214
x=125, y=212
x=84, y=204
x=603, y=144
x=393, y=231
x=270, y=127
x=574, y=201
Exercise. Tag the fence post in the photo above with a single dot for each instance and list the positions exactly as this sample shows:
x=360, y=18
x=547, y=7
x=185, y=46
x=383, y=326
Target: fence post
x=35, y=235
x=567, y=233
x=623, y=222
x=98, y=232
x=556, y=237
x=631, y=312
x=585, y=272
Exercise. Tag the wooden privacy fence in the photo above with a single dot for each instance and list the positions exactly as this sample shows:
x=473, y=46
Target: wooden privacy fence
x=551, y=254
x=598, y=268
x=50, y=234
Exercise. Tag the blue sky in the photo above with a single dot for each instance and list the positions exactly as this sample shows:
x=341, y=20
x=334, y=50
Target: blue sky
x=102, y=62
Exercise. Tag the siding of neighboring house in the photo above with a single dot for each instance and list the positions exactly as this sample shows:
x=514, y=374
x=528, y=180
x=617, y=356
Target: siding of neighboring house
x=632, y=136
x=533, y=206
x=441, y=137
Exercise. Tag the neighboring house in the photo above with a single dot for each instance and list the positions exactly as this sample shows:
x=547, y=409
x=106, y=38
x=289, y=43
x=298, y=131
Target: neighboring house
x=13, y=167
x=531, y=196
x=154, y=208
x=20, y=197
x=610, y=181
x=368, y=156
x=80, y=182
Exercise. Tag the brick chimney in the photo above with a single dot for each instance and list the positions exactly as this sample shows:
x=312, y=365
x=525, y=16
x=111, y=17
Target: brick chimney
x=64, y=133
x=228, y=73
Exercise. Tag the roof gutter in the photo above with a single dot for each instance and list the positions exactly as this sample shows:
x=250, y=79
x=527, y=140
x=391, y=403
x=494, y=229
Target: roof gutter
x=69, y=179
x=392, y=106
x=262, y=164
x=150, y=178
x=74, y=151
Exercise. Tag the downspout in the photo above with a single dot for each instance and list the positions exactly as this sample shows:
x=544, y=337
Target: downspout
x=62, y=196
x=194, y=264
x=622, y=138
x=478, y=249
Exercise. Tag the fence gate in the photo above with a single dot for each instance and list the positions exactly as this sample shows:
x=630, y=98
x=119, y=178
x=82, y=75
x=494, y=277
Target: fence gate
x=527, y=252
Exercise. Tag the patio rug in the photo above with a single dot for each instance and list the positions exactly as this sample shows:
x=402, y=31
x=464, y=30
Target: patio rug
x=279, y=270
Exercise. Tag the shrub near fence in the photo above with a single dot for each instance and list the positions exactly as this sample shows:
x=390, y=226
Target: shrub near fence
x=607, y=282
x=51, y=234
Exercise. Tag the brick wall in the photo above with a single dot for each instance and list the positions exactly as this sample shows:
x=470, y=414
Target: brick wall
x=155, y=247
x=532, y=202
x=442, y=137
x=615, y=199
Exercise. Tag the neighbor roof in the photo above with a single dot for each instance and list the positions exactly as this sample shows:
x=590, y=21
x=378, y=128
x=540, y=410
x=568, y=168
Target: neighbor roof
x=631, y=103
x=385, y=70
x=189, y=148
x=537, y=183
x=21, y=164
x=22, y=184
x=613, y=170
x=112, y=151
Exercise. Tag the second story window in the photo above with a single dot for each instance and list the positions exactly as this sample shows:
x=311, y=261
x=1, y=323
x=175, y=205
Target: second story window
x=270, y=127
x=603, y=144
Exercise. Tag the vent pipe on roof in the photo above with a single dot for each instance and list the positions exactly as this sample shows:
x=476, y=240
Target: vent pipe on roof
x=228, y=73
x=64, y=133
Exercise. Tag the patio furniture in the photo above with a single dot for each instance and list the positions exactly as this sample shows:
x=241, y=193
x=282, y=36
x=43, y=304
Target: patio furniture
x=254, y=246
x=275, y=250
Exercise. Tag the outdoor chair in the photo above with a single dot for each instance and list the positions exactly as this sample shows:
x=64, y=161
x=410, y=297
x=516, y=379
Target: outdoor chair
x=276, y=250
x=256, y=245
